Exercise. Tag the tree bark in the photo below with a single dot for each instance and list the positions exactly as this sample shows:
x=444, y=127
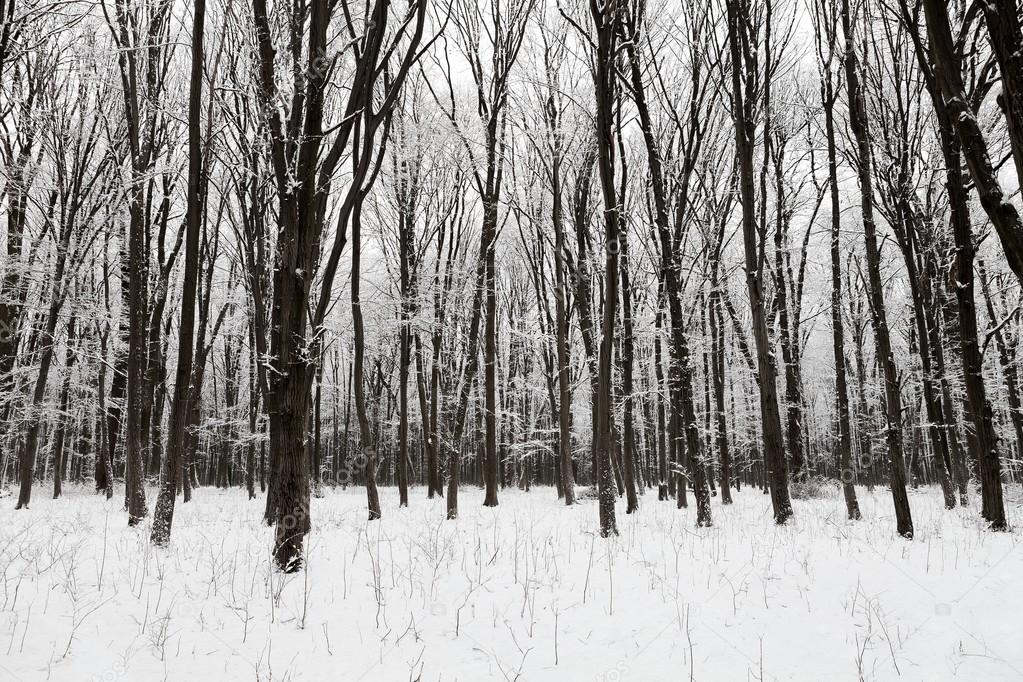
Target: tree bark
x=774, y=450
x=163, y=516
x=961, y=139
x=606, y=18
x=882, y=340
x=949, y=80
x=829, y=96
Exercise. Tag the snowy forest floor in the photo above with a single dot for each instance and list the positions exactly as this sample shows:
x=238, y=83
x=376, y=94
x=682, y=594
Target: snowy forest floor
x=523, y=591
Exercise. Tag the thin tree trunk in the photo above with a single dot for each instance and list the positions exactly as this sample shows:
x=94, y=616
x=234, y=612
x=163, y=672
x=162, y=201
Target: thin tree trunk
x=368, y=444
x=565, y=479
x=59, y=462
x=828, y=98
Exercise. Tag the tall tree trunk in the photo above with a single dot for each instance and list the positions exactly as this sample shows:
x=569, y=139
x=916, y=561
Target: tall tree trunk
x=408, y=306
x=787, y=329
x=433, y=484
x=47, y=349
x=606, y=18
x=254, y=395
x=989, y=465
x=565, y=479
x=490, y=462
x=627, y=362
x=680, y=370
x=922, y=305
x=961, y=139
x=882, y=340
x=829, y=97
x=163, y=516
x=317, y=426
x=104, y=457
x=774, y=449
x=717, y=340
x=662, y=444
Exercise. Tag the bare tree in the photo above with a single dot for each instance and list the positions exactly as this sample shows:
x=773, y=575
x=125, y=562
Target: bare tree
x=81, y=184
x=164, y=513
x=690, y=127
x=948, y=80
x=878, y=315
x=304, y=163
x=826, y=31
x=744, y=88
x=959, y=141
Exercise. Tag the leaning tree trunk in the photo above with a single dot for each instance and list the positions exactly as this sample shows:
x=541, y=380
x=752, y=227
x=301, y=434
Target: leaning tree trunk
x=989, y=465
x=59, y=288
x=978, y=408
x=949, y=81
x=922, y=308
x=882, y=339
x=680, y=380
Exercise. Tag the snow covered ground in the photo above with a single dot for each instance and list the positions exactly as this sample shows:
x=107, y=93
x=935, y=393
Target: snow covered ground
x=525, y=591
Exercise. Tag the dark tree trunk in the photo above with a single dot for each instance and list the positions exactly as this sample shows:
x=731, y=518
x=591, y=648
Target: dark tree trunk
x=163, y=516
x=742, y=96
x=882, y=340
x=607, y=21
x=717, y=340
x=948, y=79
x=48, y=343
x=827, y=30
x=961, y=139
x=627, y=362
x=662, y=445
x=793, y=391
x=488, y=246
x=680, y=381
